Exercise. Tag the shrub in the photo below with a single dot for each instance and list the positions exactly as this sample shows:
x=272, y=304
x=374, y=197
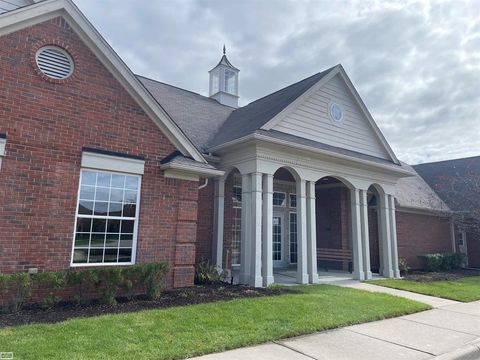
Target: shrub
x=108, y=281
x=52, y=282
x=14, y=289
x=206, y=273
x=442, y=261
x=104, y=282
x=153, y=276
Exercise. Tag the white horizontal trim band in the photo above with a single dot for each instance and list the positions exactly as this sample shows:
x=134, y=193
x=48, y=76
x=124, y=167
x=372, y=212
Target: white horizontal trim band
x=112, y=163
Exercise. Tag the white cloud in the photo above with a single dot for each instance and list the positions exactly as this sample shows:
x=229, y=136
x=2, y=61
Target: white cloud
x=415, y=64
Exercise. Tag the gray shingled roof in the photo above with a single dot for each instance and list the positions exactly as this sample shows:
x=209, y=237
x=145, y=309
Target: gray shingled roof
x=456, y=181
x=253, y=116
x=199, y=117
x=413, y=192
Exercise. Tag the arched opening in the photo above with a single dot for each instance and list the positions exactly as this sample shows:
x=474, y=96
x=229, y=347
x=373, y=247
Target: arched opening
x=232, y=224
x=373, y=202
x=333, y=226
x=284, y=226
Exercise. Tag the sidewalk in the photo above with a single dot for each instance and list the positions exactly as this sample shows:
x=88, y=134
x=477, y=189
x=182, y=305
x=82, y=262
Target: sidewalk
x=450, y=331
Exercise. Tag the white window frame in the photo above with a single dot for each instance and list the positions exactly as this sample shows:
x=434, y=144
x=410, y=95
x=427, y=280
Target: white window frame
x=3, y=143
x=280, y=192
x=135, y=224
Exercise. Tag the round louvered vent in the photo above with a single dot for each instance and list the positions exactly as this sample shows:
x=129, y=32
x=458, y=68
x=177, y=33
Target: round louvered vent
x=54, y=62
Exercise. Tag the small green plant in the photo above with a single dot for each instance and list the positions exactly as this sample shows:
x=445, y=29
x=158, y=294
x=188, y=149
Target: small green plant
x=442, y=261
x=154, y=279
x=14, y=289
x=403, y=266
x=53, y=282
x=206, y=273
x=85, y=281
x=107, y=283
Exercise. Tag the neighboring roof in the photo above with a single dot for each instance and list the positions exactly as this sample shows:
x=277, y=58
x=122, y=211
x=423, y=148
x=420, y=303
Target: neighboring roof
x=198, y=116
x=457, y=181
x=248, y=119
x=177, y=162
x=45, y=10
x=414, y=193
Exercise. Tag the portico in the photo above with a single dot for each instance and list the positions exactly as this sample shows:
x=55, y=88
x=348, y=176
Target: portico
x=257, y=161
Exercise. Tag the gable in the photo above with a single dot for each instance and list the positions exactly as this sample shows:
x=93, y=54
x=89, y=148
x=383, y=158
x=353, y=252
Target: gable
x=310, y=119
x=31, y=15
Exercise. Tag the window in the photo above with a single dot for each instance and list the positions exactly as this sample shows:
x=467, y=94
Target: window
x=293, y=238
x=215, y=82
x=229, y=81
x=237, y=235
x=279, y=199
x=107, y=218
x=293, y=200
x=237, y=194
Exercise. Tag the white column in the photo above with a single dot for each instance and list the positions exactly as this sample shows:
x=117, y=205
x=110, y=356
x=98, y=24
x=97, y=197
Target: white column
x=219, y=207
x=358, y=273
x=245, y=245
x=365, y=238
x=267, y=238
x=311, y=234
x=302, y=275
x=393, y=236
x=385, y=236
x=256, y=239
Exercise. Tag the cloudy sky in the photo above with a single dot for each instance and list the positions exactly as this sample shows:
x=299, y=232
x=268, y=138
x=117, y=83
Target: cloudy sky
x=415, y=64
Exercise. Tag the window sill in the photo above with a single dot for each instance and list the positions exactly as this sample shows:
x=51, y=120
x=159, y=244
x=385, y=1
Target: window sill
x=75, y=265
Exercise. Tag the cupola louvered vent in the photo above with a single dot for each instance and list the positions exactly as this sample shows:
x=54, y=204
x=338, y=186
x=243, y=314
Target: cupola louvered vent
x=54, y=62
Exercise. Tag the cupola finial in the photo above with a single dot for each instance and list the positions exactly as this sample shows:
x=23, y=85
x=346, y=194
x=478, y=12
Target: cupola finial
x=224, y=49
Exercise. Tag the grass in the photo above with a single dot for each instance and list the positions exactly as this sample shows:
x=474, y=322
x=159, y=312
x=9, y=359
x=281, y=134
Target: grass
x=465, y=289
x=182, y=332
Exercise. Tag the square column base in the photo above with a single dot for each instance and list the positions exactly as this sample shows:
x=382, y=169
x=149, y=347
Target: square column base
x=368, y=275
x=268, y=280
x=359, y=276
x=302, y=278
x=313, y=278
x=256, y=281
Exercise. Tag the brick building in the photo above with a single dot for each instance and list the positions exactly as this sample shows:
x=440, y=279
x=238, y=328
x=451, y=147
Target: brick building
x=99, y=166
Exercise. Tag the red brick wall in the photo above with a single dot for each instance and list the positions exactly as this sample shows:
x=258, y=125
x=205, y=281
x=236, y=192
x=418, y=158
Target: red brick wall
x=47, y=124
x=421, y=234
x=205, y=222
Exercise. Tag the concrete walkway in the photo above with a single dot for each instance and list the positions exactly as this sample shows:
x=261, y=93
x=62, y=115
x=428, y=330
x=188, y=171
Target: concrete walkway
x=450, y=331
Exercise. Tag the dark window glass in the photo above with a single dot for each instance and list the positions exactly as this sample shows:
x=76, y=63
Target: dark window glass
x=96, y=256
x=125, y=255
x=80, y=255
x=85, y=207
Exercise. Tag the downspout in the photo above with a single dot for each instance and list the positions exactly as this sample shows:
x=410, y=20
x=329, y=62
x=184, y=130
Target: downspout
x=204, y=185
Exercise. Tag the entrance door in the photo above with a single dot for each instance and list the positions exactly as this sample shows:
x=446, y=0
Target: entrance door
x=277, y=246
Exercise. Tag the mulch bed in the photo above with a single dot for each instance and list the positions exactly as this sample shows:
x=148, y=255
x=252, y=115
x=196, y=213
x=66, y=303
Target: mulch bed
x=441, y=276
x=180, y=297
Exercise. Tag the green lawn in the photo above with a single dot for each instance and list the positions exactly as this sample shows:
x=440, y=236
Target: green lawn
x=194, y=330
x=465, y=289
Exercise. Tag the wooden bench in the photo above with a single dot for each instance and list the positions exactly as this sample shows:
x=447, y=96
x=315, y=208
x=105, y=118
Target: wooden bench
x=342, y=255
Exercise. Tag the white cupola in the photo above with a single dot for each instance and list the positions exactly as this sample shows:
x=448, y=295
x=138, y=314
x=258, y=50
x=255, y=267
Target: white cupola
x=224, y=82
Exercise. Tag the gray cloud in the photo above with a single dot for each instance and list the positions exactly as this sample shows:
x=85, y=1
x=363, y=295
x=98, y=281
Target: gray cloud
x=415, y=64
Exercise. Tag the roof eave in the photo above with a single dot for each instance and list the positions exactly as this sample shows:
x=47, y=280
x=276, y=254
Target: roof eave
x=394, y=168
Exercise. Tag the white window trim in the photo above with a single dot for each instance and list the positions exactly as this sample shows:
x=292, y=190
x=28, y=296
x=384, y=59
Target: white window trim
x=280, y=192
x=105, y=162
x=135, y=226
x=3, y=142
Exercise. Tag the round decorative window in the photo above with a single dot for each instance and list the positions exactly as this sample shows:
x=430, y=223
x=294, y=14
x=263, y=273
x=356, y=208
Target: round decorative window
x=336, y=113
x=54, y=62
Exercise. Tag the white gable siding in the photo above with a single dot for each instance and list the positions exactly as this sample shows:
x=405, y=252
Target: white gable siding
x=310, y=120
